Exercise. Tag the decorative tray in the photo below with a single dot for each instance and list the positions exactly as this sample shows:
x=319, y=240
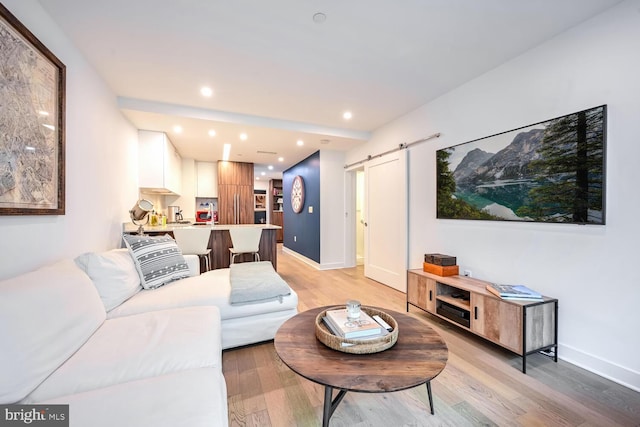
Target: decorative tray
x=357, y=345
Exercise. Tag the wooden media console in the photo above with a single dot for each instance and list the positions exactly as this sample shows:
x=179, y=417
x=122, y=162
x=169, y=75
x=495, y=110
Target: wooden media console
x=523, y=327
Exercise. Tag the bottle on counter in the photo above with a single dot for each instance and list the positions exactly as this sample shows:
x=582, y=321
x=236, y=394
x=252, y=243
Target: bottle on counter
x=154, y=218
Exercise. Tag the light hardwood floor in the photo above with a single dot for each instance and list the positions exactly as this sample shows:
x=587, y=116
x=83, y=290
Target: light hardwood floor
x=481, y=384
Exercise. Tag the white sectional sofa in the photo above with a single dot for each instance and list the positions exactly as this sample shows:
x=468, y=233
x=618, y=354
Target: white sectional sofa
x=86, y=334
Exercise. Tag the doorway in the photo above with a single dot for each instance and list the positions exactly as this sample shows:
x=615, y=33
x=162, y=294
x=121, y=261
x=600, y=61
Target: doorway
x=377, y=229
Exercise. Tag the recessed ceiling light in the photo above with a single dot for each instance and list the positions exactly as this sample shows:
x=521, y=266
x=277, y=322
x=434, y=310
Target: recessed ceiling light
x=270, y=167
x=206, y=91
x=177, y=129
x=212, y=133
x=281, y=159
x=300, y=142
x=243, y=136
x=319, y=17
x=263, y=173
x=347, y=115
x=226, y=150
x=257, y=178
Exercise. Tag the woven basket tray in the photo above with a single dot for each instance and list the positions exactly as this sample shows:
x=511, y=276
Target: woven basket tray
x=357, y=345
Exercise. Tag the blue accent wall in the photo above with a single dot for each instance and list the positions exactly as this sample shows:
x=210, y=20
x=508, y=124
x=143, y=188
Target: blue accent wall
x=304, y=226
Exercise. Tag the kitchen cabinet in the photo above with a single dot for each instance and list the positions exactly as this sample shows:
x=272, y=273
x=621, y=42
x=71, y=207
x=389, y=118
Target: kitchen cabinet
x=235, y=193
x=159, y=164
x=206, y=179
x=276, y=219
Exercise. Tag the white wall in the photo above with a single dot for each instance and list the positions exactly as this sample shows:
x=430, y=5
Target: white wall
x=332, y=232
x=261, y=184
x=590, y=269
x=101, y=164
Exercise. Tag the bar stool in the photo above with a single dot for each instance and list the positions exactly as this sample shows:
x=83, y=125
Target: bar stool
x=194, y=241
x=245, y=240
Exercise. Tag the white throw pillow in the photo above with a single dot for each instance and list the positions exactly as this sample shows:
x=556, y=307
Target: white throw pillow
x=113, y=273
x=157, y=259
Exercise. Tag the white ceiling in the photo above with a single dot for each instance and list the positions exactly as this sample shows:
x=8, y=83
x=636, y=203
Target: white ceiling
x=279, y=76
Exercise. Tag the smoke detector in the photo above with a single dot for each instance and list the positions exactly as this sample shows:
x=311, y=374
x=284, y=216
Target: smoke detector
x=319, y=17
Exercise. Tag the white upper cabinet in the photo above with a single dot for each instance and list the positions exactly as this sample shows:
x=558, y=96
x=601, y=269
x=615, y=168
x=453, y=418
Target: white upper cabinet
x=159, y=164
x=207, y=179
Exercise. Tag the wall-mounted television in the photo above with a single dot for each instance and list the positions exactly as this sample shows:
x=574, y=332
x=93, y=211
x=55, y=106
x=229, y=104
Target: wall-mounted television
x=552, y=171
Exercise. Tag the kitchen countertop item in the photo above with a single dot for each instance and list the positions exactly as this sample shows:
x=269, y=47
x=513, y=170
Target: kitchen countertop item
x=128, y=227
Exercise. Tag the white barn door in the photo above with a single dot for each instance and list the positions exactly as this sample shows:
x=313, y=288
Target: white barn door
x=386, y=220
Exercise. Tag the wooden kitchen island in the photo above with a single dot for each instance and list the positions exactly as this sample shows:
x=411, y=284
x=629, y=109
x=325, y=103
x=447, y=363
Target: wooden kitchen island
x=220, y=241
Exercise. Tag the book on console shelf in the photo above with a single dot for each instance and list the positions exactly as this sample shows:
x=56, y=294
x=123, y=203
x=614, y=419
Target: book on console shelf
x=341, y=326
x=514, y=292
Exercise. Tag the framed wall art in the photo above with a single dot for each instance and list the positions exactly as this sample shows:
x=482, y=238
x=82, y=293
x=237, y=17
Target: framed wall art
x=553, y=171
x=32, y=134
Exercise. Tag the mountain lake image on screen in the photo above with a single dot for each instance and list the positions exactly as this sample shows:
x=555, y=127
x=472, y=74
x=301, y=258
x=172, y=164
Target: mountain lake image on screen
x=552, y=171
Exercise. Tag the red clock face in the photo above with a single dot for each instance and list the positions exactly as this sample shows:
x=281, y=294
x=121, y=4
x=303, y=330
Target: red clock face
x=297, y=194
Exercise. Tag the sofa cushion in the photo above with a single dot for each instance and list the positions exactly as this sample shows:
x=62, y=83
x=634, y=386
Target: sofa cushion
x=113, y=273
x=45, y=316
x=136, y=347
x=157, y=259
x=194, y=398
x=209, y=288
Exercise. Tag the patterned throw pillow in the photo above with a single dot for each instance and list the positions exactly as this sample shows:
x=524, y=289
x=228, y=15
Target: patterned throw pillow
x=158, y=259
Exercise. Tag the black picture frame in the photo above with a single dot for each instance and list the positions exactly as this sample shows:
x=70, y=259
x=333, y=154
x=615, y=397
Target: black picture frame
x=32, y=119
x=552, y=171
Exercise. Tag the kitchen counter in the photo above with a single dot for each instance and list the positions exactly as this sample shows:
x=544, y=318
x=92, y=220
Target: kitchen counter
x=130, y=228
x=220, y=240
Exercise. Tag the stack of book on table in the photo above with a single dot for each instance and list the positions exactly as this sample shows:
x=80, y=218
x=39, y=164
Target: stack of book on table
x=514, y=292
x=363, y=328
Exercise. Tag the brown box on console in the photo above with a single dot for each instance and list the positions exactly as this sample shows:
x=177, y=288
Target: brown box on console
x=448, y=270
x=440, y=259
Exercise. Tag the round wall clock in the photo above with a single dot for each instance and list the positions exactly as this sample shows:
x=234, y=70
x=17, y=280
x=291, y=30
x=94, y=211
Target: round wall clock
x=297, y=194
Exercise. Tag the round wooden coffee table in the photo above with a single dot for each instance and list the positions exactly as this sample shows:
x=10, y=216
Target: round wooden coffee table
x=418, y=356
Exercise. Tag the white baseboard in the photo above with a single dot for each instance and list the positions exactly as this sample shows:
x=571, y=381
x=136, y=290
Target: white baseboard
x=332, y=266
x=302, y=258
x=312, y=263
x=611, y=371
